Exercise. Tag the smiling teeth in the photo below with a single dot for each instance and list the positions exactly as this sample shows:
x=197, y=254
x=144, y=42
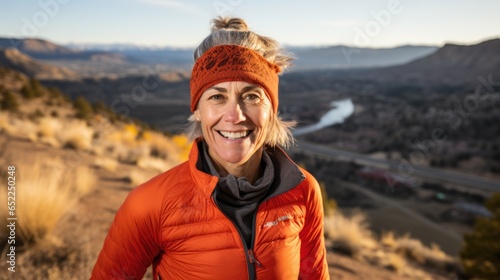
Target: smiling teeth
x=234, y=135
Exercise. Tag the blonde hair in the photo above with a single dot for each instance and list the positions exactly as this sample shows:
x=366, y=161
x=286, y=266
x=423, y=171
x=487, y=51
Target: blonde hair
x=235, y=31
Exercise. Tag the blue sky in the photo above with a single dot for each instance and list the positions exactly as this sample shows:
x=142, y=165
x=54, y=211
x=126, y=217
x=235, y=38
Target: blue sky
x=370, y=23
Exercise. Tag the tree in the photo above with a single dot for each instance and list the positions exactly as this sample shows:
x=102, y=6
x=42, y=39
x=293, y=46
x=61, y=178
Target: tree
x=9, y=101
x=480, y=255
x=32, y=89
x=83, y=108
x=37, y=87
x=55, y=93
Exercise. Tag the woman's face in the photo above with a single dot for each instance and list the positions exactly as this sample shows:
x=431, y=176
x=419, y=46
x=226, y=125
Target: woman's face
x=234, y=118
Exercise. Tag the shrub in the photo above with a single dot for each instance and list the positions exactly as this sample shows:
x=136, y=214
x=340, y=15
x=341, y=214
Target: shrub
x=161, y=146
x=48, y=127
x=38, y=113
x=55, y=93
x=36, y=87
x=388, y=240
x=394, y=262
x=6, y=124
x=45, y=192
x=183, y=145
x=480, y=254
x=432, y=256
x=329, y=205
x=9, y=102
x=27, y=92
x=32, y=89
x=153, y=163
x=83, y=108
x=136, y=177
x=76, y=135
x=107, y=164
x=100, y=107
x=350, y=236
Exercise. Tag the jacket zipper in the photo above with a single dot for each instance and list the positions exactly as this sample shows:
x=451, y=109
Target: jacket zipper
x=249, y=252
x=249, y=255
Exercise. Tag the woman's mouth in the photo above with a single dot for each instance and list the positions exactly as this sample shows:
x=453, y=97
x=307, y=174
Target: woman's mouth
x=233, y=135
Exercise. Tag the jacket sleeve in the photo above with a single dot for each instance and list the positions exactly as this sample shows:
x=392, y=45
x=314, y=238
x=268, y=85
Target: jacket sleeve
x=133, y=239
x=313, y=264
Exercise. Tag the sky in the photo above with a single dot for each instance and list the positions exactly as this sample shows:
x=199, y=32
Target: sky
x=177, y=23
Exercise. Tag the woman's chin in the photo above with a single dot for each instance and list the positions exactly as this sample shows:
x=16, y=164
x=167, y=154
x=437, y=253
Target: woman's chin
x=234, y=158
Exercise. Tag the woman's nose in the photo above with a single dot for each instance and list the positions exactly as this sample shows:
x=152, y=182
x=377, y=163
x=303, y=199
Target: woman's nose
x=234, y=112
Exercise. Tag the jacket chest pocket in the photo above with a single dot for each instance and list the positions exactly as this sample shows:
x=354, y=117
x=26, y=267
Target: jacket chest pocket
x=281, y=223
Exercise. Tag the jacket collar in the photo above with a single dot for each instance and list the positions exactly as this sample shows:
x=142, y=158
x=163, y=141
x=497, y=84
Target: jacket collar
x=287, y=173
x=205, y=182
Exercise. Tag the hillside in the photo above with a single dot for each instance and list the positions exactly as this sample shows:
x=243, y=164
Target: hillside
x=449, y=65
x=345, y=57
x=46, y=50
x=308, y=58
x=89, y=158
x=35, y=47
x=15, y=59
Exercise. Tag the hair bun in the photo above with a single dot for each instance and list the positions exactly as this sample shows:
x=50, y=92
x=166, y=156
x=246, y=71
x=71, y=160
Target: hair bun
x=229, y=23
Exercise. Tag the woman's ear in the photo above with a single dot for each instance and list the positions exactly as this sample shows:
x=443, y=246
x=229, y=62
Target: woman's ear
x=196, y=114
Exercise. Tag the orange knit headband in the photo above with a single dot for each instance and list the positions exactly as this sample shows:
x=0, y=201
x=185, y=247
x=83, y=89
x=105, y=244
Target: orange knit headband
x=226, y=63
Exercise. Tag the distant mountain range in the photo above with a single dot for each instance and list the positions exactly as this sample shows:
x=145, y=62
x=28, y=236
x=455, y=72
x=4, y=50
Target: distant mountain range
x=42, y=49
x=449, y=65
x=345, y=57
x=307, y=58
x=15, y=59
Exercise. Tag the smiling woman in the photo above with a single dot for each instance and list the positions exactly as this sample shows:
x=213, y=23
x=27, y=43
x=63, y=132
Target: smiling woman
x=239, y=208
x=234, y=118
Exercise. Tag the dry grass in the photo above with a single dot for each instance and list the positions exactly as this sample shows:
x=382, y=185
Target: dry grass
x=24, y=129
x=128, y=154
x=107, y=164
x=349, y=235
x=156, y=164
x=85, y=180
x=6, y=124
x=175, y=148
x=46, y=132
x=395, y=263
x=431, y=256
x=76, y=135
x=123, y=143
x=137, y=177
x=161, y=146
x=48, y=191
x=48, y=127
x=388, y=240
x=55, y=132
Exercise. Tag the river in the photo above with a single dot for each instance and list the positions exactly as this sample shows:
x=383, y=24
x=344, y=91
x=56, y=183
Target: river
x=340, y=111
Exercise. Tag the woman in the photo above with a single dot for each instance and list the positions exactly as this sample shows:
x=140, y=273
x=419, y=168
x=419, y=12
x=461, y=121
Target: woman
x=239, y=208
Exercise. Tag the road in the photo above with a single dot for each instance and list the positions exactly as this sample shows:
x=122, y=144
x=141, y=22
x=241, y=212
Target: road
x=403, y=168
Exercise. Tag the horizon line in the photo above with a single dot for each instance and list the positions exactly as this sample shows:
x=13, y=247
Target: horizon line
x=286, y=45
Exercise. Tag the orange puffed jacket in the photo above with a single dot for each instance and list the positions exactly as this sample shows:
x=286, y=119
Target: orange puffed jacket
x=173, y=223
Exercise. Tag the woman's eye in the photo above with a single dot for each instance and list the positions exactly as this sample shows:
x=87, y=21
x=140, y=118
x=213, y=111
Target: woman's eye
x=217, y=97
x=251, y=96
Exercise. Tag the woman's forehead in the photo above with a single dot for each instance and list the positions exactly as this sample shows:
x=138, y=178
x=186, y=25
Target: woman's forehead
x=238, y=86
